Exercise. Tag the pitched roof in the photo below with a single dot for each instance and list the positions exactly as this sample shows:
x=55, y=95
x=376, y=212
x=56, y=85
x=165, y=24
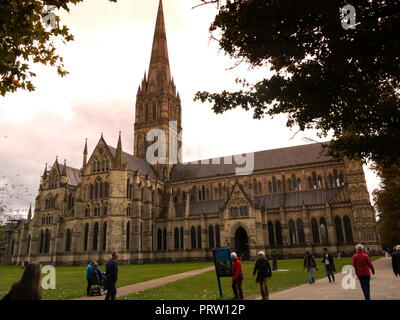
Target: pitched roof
x=72, y=175
x=134, y=163
x=267, y=159
x=296, y=199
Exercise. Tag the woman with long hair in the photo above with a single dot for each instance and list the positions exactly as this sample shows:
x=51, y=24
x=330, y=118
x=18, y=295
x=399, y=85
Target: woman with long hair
x=29, y=287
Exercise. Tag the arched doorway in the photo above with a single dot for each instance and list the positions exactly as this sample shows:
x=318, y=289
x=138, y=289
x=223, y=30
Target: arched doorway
x=242, y=243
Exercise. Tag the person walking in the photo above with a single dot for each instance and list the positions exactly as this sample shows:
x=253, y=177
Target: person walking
x=363, y=267
x=311, y=265
x=396, y=261
x=29, y=287
x=327, y=260
x=264, y=273
x=112, y=276
x=237, y=277
x=89, y=269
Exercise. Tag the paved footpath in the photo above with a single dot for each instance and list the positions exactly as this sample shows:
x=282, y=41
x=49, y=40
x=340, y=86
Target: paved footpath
x=137, y=287
x=384, y=286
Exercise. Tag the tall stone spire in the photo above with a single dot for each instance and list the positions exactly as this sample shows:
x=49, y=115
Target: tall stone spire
x=85, y=153
x=118, y=154
x=157, y=103
x=45, y=172
x=30, y=213
x=159, y=76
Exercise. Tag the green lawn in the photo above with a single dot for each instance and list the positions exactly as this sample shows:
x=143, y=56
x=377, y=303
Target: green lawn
x=71, y=282
x=204, y=286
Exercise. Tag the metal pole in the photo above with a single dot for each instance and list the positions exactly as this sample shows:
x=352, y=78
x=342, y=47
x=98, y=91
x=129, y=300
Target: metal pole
x=220, y=287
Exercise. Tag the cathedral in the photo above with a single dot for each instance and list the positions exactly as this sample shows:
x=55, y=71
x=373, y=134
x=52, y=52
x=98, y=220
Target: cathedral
x=294, y=199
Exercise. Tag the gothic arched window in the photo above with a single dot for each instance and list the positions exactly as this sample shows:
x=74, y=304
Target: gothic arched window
x=320, y=185
x=68, y=244
x=193, y=237
x=292, y=233
x=330, y=180
x=278, y=231
x=159, y=239
x=47, y=239
x=335, y=178
x=95, y=236
x=347, y=229
x=211, y=236
x=324, y=230
x=315, y=230
x=217, y=236
x=271, y=234
x=199, y=244
x=279, y=185
x=86, y=237
x=128, y=236
x=165, y=239
x=176, y=238
x=104, y=244
x=300, y=231
x=339, y=229
x=289, y=183
x=274, y=189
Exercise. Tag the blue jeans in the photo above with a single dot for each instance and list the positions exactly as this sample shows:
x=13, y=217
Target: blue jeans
x=364, y=282
x=311, y=275
x=111, y=290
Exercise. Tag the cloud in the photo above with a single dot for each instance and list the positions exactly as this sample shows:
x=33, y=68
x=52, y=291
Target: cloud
x=106, y=62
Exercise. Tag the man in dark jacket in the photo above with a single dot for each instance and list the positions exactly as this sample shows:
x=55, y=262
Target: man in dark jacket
x=396, y=261
x=327, y=260
x=310, y=264
x=264, y=272
x=112, y=276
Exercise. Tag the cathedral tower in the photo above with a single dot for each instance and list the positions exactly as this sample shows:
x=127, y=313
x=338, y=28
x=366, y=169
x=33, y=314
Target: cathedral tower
x=158, y=104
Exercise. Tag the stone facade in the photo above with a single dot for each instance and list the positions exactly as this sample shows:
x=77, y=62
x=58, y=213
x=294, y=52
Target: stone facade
x=296, y=199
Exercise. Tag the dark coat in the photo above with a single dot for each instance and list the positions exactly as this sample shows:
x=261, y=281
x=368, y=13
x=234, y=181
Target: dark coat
x=263, y=269
x=112, y=270
x=396, y=262
x=309, y=262
x=330, y=259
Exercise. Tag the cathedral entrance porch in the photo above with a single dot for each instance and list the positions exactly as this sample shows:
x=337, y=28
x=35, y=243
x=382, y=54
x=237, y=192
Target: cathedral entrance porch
x=242, y=243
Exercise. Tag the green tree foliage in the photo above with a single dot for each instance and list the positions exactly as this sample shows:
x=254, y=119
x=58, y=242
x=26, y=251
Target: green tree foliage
x=387, y=201
x=25, y=39
x=325, y=77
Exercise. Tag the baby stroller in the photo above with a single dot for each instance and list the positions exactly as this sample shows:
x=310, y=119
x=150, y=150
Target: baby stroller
x=98, y=283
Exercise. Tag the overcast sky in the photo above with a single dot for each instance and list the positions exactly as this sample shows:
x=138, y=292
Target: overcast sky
x=106, y=62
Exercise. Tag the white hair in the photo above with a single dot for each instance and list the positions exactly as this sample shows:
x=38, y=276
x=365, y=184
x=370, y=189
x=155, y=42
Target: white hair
x=359, y=247
x=233, y=255
x=398, y=247
x=261, y=253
